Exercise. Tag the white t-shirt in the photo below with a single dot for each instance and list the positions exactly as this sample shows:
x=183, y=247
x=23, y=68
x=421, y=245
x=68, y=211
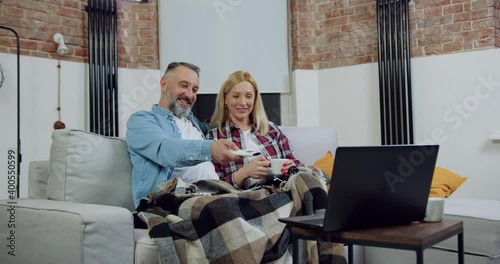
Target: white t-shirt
x=251, y=145
x=202, y=171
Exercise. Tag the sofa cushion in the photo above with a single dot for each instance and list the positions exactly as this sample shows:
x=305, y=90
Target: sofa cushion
x=89, y=168
x=326, y=164
x=311, y=143
x=445, y=182
x=38, y=176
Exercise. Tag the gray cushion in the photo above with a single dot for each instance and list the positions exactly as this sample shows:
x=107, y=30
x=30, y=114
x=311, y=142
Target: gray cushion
x=89, y=168
x=37, y=180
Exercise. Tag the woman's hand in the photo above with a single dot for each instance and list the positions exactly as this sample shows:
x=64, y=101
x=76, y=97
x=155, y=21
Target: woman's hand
x=257, y=169
x=289, y=163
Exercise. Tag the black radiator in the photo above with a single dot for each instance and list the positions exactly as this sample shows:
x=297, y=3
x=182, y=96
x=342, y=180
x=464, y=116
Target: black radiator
x=394, y=72
x=103, y=67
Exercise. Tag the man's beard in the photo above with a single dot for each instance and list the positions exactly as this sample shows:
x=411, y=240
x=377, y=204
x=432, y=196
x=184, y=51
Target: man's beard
x=176, y=109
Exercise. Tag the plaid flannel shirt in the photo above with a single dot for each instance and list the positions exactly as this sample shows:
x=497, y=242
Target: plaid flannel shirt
x=274, y=145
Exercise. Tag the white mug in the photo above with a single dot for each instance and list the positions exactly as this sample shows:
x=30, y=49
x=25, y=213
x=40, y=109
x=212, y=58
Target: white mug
x=435, y=209
x=276, y=165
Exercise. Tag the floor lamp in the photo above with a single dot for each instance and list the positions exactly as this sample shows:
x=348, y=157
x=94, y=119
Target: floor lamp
x=19, y=156
x=61, y=50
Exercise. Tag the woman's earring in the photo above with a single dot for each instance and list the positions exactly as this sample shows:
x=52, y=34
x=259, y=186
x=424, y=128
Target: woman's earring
x=225, y=105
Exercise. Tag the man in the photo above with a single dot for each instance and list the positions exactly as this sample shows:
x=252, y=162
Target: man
x=169, y=141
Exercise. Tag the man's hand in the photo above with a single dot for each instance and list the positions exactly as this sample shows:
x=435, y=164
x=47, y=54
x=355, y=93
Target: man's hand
x=221, y=151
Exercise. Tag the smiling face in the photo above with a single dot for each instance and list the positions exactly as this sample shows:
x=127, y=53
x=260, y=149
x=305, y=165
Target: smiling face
x=179, y=89
x=240, y=101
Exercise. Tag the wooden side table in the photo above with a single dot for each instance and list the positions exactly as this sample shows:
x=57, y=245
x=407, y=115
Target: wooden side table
x=415, y=236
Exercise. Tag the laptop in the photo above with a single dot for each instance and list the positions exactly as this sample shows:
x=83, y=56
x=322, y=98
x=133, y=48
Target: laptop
x=375, y=186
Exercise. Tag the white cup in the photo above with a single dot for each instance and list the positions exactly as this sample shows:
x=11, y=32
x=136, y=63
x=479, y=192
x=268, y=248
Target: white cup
x=276, y=165
x=435, y=209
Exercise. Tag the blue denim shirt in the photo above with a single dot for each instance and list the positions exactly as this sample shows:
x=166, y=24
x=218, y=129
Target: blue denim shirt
x=155, y=146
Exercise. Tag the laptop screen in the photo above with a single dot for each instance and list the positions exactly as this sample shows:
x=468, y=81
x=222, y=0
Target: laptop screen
x=379, y=185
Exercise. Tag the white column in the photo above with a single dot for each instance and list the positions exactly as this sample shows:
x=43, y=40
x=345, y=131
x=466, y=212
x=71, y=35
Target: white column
x=306, y=97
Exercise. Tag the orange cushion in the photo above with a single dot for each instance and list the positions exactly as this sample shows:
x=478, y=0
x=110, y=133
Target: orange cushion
x=326, y=164
x=445, y=182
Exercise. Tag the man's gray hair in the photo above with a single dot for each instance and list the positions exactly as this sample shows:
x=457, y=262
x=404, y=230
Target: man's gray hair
x=173, y=65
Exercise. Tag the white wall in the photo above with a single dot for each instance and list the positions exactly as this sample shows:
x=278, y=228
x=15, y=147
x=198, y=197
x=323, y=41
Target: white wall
x=348, y=98
x=456, y=104
x=457, y=99
x=38, y=108
x=223, y=36
x=139, y=89
x=306, y=97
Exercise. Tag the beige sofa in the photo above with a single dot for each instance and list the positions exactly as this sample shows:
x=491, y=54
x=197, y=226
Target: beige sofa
x=80, y=201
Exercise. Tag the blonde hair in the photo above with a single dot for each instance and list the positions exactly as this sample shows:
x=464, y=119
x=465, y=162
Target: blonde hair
x=221, y=114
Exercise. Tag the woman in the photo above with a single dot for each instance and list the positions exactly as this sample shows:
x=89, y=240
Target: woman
x=239, y=116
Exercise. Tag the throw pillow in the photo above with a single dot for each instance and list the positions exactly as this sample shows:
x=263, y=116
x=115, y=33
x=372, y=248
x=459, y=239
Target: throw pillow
x=445, y=182
x=88, y=168
x=326, y=164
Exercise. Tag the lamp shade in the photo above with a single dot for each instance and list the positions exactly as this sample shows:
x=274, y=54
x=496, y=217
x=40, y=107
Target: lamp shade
x=59, y=39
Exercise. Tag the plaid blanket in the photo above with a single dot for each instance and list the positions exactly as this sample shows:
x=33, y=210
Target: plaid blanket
x=212, y=222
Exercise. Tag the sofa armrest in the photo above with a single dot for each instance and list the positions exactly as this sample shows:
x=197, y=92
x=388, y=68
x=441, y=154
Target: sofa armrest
x=45, y=231
x=37, y=179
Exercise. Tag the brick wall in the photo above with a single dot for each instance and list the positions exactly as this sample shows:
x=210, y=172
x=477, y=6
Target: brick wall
x=497, y=23
x=334, y=33
x=37, y=21
x=324, y=33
